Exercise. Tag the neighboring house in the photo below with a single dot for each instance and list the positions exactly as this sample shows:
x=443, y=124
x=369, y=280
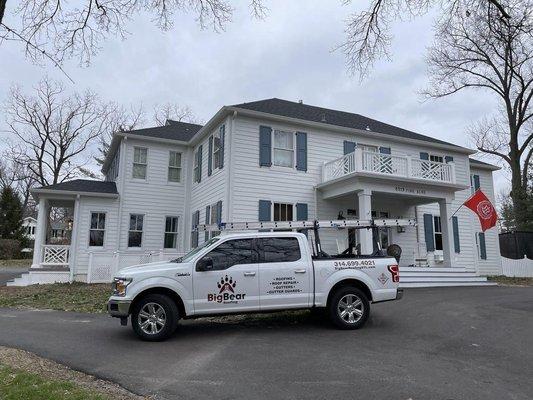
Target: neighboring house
x=29, y=224
x=272, y=160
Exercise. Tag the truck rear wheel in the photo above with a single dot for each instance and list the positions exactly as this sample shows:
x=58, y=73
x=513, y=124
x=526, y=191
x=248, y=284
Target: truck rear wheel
x=349, y=308
x=154, y=317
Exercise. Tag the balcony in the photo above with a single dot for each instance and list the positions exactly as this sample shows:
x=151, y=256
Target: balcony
x=389, y=166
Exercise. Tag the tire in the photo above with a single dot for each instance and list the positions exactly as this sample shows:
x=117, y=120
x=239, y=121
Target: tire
x=154, y=317
x=348, y=308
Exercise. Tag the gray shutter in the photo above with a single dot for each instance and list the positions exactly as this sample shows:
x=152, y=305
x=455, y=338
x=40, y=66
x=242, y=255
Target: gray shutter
x=264, y=210
x=200, y=151
x=476, y=182
x=428, y=232
x=456, y=242
x=482, y=246
x=448, y=159
x=424, y=156
x=210, y=157
x=349, y=147
x=194, y=233
x=301, y=151
x=301, y=212
x=222, y=140
x=207, y=220
x=265, y=146
x=219, y=212
x=384, y=150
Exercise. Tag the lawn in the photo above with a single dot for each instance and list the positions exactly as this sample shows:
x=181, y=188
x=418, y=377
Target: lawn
x=510, y=281
x=17, y=385
x=20, y=263
x=79, y=297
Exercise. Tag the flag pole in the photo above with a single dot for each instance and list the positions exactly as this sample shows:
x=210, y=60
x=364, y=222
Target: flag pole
x=455, y=212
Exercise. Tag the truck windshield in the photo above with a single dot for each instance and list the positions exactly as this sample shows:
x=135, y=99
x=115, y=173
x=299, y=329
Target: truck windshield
x=187, y=257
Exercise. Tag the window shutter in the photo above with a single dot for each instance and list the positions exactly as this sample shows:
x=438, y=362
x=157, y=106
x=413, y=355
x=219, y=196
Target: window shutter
x=384, y=150
x=428, y=232
x=194, y=233
x=222, y=140
x=476, y=182
x=264, y=210
x=265, y=146
x=301, y=212
x=219, y=212
x=349, y=147
x=207, y=220
x=482, y=246
x=448, y=159
x=200, y=151
x=301, y=151
x=210, y=157
x=424, y=156
x=456, y=242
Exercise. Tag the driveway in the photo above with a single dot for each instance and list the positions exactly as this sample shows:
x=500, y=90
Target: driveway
x=443, y=343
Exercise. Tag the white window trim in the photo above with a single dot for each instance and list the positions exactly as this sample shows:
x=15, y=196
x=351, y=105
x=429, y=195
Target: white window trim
x=180, y=168
x=142, y=232
x=273, y=148
x=283, y=202
x=105, y=230
x=175, y=233
x=195, y=166
x=437, y=155
x=215, y=166
x=435, y=233
x=133, y=163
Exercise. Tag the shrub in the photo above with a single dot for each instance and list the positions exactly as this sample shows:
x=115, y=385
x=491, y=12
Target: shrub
x=9, y=249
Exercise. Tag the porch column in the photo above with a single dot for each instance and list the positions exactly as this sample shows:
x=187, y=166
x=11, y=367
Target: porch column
x=74, y=239
x=448, y=250
x=40, y=233
x=365, y=213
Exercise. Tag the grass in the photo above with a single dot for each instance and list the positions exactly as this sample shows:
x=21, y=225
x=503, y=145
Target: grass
x=20, y=263
x=79, y=297
x=20, y=385
x=511, y=281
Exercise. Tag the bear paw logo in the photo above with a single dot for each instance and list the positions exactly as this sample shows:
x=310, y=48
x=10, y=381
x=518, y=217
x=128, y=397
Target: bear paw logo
x=226, y=284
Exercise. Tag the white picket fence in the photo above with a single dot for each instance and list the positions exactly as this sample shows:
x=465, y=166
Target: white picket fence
x=517, y=268
x=104, y=265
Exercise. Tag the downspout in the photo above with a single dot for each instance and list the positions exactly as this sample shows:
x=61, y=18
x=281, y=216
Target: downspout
x=229, y=187
x=120, y=187
x=417, y=234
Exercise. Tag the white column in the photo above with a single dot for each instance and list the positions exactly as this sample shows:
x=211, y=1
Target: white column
x=365, y=213
x=74, y=239
x=40, y=232
x=448, y=249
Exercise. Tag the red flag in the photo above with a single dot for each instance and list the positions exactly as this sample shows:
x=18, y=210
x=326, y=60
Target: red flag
x=480, y=204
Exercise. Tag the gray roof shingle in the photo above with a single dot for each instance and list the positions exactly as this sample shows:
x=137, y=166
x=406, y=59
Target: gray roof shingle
x=339, y=118
x=173, y=130
x=84, y=185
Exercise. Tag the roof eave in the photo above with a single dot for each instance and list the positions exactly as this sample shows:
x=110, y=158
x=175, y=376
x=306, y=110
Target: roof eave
x=488, y=167
x=361, y=132
x=40, y=191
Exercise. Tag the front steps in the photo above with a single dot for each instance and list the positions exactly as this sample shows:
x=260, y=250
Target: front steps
x=42, y=276
x=413, y=277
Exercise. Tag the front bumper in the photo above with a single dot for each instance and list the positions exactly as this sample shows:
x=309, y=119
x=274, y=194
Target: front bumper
x=118, y=308
x=399, y=294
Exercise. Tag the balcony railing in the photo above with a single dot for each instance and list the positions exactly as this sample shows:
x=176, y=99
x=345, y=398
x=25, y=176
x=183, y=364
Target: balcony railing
x=388, y=165
x=54, y=254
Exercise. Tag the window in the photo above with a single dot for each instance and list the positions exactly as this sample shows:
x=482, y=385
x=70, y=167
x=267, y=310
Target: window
x=97, y=229
x=140, y=156
x=437, y=229
x=283, y=149
x=174, y=166
x=232, y=252
x=474, y=183
x=216, y=150
x=435, y=158
x=279, y=249
x=283, y=212
x=366, y=147
x=135, y=234
x=171, y=233
x=197, y=170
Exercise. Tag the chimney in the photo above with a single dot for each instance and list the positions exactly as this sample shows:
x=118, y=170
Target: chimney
x=300, y=101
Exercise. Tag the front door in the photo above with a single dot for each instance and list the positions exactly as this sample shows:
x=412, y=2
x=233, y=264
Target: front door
x=230, y=283
x=284, y=274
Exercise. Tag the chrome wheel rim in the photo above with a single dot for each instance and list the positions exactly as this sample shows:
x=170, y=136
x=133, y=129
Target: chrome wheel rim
x=152, y=318
x=350, y=308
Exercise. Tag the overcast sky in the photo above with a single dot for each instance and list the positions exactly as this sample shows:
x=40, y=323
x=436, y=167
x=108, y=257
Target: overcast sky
x=287, y=55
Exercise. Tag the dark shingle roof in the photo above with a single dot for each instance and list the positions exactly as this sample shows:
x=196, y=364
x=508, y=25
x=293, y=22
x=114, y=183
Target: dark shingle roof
x=339, y=118
x=84, y=185
x=174, y=130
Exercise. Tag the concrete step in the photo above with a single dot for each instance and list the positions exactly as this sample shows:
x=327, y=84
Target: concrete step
x=41, y=277
x=426, y=269
x=447, y=279
x=443, y=284
x=404, y=274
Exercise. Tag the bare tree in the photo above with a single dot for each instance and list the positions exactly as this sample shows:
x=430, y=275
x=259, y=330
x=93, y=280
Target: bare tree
x=174, y=112
x=14, y=175
x=483, y=51
x=57, y=29
x=52, y=130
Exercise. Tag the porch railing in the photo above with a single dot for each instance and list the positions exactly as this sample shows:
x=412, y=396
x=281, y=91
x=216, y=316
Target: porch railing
x=388, y=165
x=55, y=254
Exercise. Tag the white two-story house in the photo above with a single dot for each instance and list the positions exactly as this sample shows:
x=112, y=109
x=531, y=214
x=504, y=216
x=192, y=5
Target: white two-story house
x=272, y=160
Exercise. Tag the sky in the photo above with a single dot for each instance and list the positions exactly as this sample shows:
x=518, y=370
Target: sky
x=288, y=55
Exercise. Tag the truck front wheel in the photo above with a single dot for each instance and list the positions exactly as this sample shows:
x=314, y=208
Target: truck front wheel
x=349, y=308
x=154, y=317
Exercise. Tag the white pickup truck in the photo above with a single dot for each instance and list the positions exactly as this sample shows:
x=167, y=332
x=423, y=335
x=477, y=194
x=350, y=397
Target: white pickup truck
x=252, y=272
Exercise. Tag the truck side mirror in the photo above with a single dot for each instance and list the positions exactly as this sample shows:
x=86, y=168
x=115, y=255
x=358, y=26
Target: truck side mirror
x=205, y=264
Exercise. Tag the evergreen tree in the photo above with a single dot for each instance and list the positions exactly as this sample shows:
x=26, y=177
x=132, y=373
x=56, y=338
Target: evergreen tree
x=11, y=216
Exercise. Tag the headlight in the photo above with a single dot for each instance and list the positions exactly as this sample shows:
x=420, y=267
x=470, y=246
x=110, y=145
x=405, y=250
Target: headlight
x=120, y=285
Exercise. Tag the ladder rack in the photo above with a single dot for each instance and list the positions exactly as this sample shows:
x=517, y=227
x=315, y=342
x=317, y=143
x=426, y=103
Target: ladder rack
x=338, y=224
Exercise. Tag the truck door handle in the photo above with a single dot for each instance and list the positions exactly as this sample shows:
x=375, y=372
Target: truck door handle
x=300, y=271
x=251, y=273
